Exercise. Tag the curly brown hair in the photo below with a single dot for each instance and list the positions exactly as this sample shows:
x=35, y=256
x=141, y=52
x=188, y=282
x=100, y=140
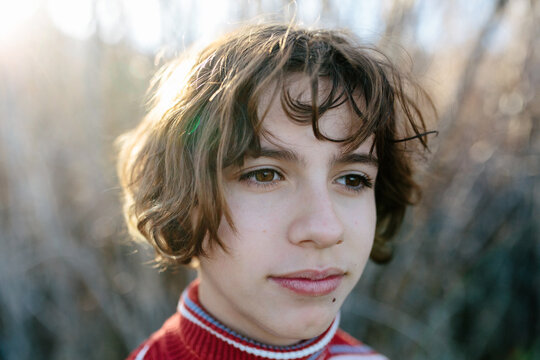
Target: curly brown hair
x=204, y=118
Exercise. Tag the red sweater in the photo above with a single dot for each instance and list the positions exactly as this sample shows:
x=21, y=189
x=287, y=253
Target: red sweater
x=192, y=333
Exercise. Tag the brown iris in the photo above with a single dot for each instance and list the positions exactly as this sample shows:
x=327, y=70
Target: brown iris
x=353, y=180
x=264, y=175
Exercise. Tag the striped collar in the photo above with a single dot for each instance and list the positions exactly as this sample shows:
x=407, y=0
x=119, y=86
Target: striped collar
x=205, y=332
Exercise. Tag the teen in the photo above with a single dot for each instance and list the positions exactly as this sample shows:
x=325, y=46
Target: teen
x=275, y=164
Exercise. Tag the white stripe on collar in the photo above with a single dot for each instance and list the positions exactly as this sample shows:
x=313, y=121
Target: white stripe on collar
x=266, y=353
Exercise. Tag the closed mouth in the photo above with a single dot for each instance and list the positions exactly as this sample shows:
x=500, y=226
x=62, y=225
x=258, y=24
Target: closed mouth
x=311, y=282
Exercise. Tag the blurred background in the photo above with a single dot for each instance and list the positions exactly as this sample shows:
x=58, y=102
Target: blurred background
x=465, y=280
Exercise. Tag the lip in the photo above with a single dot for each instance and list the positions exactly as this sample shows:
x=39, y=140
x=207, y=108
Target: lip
x=311, y=282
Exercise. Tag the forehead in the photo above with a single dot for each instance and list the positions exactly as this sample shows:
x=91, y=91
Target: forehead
x=336, y=123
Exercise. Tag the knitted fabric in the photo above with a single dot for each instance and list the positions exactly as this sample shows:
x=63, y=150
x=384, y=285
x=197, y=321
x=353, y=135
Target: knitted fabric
x=192, y=333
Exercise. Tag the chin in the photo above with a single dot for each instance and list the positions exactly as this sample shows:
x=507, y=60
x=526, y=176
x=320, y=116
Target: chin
x=309, y=324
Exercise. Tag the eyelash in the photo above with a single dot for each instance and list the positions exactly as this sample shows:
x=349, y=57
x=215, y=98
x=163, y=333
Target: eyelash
x=249, y=177
x=365, y=182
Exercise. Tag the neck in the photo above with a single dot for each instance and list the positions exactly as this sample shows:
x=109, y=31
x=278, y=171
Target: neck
x=203, y=334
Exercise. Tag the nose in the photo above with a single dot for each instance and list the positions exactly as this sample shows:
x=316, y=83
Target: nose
x=315, y=221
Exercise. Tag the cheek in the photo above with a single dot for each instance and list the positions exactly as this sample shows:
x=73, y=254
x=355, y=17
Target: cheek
x=361, y=223
x=253, y=240
x=256, y=215
x=366, y=223
x=361, y=214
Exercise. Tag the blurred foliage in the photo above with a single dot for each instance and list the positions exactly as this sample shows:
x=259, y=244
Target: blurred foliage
x=465, y=280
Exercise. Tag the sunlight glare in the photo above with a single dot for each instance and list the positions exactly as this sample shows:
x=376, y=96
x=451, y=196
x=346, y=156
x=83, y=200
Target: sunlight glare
x=74, y=18
x=14, y=15
x=144, y=19
x=213, y=18
x=109, y=16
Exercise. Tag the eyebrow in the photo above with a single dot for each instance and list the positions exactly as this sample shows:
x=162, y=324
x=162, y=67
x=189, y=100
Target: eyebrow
x=340, y=159
x=279, y=154
x=350, y=158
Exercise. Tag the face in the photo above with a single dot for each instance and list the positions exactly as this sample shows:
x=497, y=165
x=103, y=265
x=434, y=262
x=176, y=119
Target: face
x=304, y=214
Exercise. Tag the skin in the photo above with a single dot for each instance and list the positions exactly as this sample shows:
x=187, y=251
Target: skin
x=314, y=210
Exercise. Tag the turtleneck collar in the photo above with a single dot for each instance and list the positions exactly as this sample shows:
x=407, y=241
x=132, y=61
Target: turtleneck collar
x=206, y=336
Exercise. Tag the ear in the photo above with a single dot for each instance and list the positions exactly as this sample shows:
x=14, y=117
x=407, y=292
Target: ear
x=194, y=263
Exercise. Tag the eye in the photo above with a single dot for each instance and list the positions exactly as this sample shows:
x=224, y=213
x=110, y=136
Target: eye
x=262, y=177
x=355, y=182
x=265, y=175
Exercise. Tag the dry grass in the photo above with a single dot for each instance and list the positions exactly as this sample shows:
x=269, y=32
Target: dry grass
x=465, y=282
